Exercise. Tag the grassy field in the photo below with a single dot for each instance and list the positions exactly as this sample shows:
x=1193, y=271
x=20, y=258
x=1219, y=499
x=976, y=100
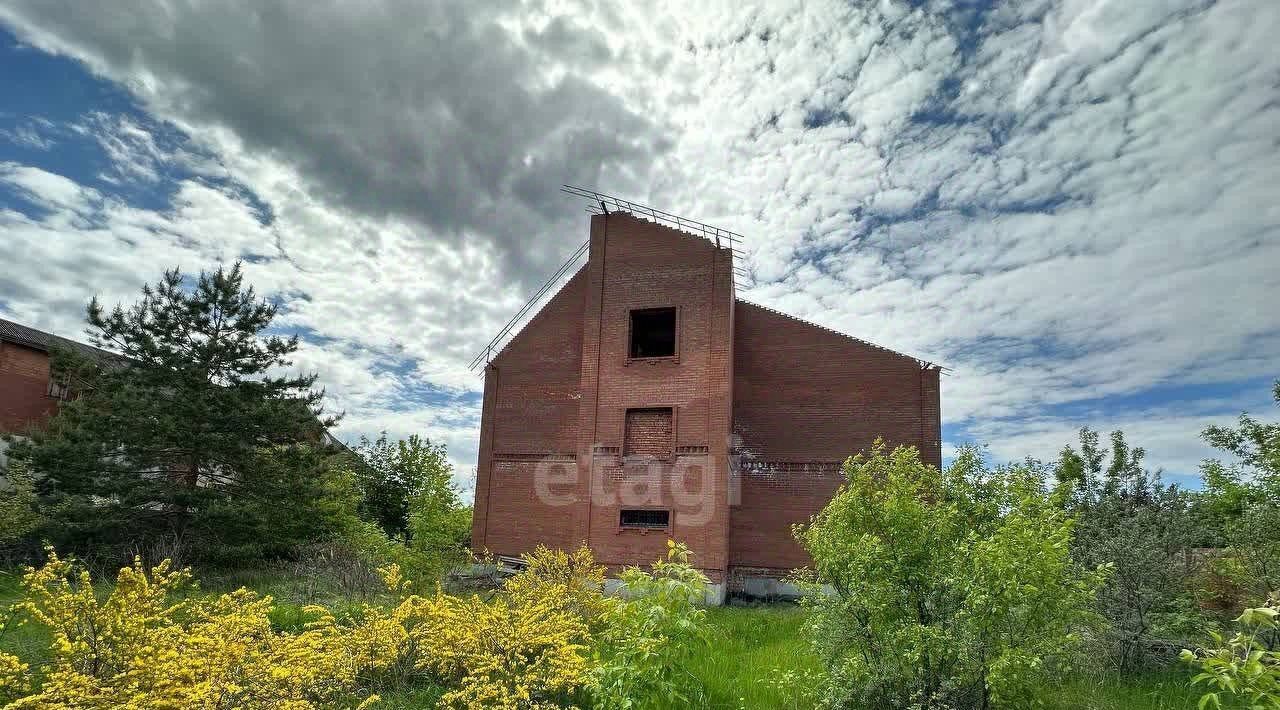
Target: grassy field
x=756, y=656
x=758, y=659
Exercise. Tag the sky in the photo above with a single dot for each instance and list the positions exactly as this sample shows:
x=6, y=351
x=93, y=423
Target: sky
x=1072, y=205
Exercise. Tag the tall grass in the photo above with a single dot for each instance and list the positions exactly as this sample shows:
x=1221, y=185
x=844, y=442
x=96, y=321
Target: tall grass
x=1156, y=691
x=758, y=658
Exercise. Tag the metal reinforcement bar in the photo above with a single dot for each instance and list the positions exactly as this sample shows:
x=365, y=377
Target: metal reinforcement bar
x=495, y=345
x=601, y=203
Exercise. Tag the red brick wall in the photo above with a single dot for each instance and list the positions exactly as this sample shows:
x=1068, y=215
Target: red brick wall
x=806, y=398
x=760, y=534
x=524, y=517
x=24, y=388
x=636, y=264
x=649, y=433
x=529, y=424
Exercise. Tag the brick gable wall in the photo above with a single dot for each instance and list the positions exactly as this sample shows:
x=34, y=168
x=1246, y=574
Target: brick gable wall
x=805, y=399
x=529, y=428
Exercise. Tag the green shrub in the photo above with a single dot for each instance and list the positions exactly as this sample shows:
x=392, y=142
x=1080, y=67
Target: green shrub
x=1243, y=667
x=19, y=506
x=947, y=588
x=649, y=635
x=1239, y=509
x=375, y=548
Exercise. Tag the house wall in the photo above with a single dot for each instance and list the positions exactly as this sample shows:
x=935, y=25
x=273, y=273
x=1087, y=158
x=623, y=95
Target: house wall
x=635, y=264
x=805, y=399
x=787, y=399
x=529, y=434
x=24, y=388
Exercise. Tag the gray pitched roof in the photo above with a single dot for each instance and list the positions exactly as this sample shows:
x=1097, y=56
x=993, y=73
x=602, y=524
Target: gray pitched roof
x=40, y=340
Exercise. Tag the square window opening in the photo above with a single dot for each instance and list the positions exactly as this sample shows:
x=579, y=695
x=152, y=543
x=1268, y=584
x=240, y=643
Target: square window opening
x=649, y=432
x=646, y=519
x=653, y=333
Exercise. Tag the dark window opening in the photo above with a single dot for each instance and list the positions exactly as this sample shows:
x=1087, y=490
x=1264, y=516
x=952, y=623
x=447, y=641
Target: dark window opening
x=648, y=519
x=653, y=332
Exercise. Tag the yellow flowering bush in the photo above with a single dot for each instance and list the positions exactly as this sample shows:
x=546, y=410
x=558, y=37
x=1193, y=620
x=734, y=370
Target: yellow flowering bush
x=571, y=578
x=537, y=646
x=509, y=653
x=134, y=649
x=13, y=677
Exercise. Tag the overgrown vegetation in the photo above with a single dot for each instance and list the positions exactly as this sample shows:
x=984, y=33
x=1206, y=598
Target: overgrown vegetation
x=1139, y=530
x=1239, y=511
x=971, y=587
x=951, y=588
x=410, y=512
x=649, y=636
x=1243, y=667
x=550, y=640
x=189, y=444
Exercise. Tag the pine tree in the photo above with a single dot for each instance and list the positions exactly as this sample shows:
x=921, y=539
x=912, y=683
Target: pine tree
x=186, y=426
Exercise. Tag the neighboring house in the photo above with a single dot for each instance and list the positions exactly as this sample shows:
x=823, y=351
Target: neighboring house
x=644, y=402
x=29, y=395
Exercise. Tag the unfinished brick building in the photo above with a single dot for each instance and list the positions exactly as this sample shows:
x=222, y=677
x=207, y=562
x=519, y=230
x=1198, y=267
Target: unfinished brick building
x=644, y=402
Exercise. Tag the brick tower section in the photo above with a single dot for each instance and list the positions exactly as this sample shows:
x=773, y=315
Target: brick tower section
x=723, y=441
x=637, y=265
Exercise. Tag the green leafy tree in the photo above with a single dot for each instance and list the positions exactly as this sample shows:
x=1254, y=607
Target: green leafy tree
x=395, y=473
x=1256, y=444
x=407, y=490
x=1240, y=505
x=191, y=434
x=1126, y=518
x=951, y=588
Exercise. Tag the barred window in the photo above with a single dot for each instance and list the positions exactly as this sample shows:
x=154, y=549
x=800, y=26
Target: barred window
x=645, y=518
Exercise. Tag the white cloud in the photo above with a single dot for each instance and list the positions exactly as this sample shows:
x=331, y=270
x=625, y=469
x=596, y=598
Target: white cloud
x=82, y=245
x=28, y=135
x=47, y=190
x=1065, y=202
